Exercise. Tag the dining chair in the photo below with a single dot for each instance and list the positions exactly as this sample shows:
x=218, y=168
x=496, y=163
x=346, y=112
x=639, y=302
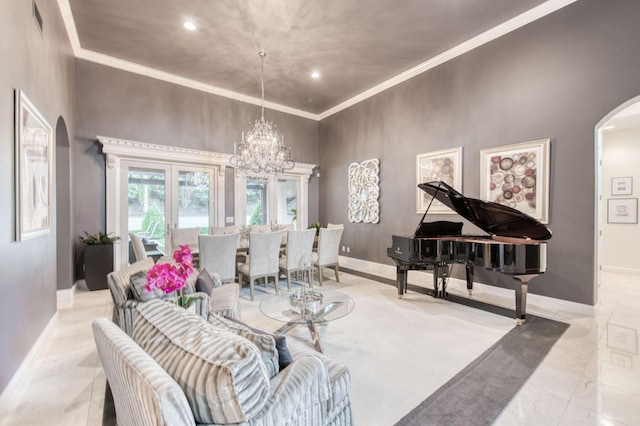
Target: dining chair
x=335, y=225
x=299, y=244
x=223, y=230
x=139, y=251
x=184, y=236
x=328, y=250
x=262, y=262
x=218, y=255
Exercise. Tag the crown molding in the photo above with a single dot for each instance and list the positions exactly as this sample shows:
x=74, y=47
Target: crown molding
x=506, y=27
x=498, y=31
x=124, y=148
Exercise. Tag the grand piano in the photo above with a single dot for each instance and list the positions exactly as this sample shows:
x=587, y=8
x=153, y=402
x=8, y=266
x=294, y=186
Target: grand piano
x=514, y=245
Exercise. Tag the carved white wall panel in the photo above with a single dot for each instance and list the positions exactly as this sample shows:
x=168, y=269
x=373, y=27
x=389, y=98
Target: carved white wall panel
x=364, y=191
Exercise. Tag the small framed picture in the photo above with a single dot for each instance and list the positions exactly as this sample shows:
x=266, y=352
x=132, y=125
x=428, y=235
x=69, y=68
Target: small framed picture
x=622, y=210
x=621, y=186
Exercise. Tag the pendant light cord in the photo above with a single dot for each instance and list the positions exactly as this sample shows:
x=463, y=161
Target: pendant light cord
x=262, y=55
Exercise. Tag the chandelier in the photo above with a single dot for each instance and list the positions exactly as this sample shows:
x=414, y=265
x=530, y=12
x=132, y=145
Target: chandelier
x=262, y=150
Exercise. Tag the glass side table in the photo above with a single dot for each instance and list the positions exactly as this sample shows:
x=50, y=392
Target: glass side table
x=306, y=307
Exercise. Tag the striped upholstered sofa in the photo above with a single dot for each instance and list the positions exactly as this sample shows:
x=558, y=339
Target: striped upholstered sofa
x=177, y=369
x=224, y=300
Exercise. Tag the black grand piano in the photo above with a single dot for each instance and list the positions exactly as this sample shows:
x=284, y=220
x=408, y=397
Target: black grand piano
x=514, y=245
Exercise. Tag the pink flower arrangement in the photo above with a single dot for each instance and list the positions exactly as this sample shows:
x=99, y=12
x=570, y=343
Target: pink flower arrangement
x=169, y=277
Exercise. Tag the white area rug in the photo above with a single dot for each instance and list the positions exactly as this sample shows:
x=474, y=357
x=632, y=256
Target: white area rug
x=399, y=351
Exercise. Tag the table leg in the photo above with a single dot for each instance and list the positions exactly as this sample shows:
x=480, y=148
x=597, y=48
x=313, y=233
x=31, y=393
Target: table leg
x=315, y=336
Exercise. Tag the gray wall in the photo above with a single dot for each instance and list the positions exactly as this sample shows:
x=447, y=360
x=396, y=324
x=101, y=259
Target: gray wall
x=124, y=105
x=42, y=66
x=555, y=78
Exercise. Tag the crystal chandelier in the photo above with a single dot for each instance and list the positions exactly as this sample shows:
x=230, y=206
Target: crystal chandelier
x=262, y=150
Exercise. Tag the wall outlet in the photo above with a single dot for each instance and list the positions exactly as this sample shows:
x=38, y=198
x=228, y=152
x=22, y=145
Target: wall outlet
x=343, y=249
x=348, y=249
x=229, y=219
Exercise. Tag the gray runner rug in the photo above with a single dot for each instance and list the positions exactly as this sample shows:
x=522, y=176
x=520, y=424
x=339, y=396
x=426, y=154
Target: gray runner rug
x=478, y=393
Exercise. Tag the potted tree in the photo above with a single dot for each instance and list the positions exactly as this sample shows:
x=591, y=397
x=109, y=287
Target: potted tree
x=98, y=259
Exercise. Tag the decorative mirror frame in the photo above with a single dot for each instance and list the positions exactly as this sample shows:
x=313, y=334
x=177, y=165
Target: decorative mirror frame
x=364, y=191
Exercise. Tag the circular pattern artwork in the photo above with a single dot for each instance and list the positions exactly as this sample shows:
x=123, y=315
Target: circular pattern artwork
x=513, y=180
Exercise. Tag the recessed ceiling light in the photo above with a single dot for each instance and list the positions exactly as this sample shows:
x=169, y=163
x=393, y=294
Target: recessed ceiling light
x=315, y=74
x=190, y=25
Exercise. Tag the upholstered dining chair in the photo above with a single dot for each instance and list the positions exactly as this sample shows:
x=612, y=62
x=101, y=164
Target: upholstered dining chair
x=138, y=247
x=218, y=255
x=299, y=244
x=335, y=225
x=223, y=230
x=328, y=250
x=262, y=262
x=184, y=236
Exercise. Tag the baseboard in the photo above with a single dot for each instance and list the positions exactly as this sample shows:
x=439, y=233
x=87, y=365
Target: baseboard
x=620, y=270
x=19, y=377
x=64, y=297
x=543, y=305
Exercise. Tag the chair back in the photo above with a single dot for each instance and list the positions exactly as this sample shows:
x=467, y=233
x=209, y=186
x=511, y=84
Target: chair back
x=299, y=243
x=223, y=230
x=183, y=237
x=118, y=281
x=138, y=247
x=334, y=225
x=130, y=371
x=218, y=254
x=264, y=251
x=260, y=228
x=329, y=245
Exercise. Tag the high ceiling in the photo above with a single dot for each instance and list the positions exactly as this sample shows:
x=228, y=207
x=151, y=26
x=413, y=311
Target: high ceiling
x=355, y=45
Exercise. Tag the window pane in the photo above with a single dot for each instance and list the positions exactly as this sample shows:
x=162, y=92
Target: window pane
x=146, y=198
x=193, y=200
x=287, y=201
x=257, y=208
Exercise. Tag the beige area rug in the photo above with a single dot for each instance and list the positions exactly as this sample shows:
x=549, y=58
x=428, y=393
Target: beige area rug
x=399, y=351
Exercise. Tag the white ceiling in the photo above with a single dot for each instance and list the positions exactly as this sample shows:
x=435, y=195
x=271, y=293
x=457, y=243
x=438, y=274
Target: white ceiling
x=360, y=47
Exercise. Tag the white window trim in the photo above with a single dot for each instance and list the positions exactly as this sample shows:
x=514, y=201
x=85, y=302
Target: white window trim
x=117, y=150
x=301, y=172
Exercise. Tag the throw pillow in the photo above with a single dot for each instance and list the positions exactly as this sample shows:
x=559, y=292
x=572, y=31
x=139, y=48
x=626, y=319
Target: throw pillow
x=204, y=282
x=138, y=282
x=284, y=355
x=220, y=373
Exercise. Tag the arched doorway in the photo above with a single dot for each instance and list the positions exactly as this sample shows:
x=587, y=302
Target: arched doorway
x=64, y=239
x=616, y=152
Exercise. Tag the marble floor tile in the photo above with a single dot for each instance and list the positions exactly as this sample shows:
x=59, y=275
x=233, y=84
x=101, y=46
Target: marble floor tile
x=590, y=377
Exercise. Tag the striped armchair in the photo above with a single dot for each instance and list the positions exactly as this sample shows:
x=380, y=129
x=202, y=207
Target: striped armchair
x=224, y=300
x=185, y=371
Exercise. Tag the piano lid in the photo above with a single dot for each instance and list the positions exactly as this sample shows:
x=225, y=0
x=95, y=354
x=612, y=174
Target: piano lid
x=492, y=218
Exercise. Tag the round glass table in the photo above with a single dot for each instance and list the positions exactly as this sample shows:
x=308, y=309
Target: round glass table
x=306, y=307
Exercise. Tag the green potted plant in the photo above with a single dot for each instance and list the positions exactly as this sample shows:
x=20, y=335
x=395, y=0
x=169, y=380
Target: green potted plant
x=98, y=259
x=317, y=225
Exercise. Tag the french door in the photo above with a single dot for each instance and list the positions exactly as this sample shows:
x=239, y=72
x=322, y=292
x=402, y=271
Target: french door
x=159, y=196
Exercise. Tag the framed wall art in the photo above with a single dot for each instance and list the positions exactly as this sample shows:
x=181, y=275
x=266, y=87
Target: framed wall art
x=621, y=186
x=364, y=191
x=445, y=166
x=33, y=169
x=517, y=176
x=622, y=210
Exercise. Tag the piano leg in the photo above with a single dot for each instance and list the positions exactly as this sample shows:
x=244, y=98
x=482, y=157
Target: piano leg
x=401, y=279
x=521, y=297
x=440, y=274
x=470, y=271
